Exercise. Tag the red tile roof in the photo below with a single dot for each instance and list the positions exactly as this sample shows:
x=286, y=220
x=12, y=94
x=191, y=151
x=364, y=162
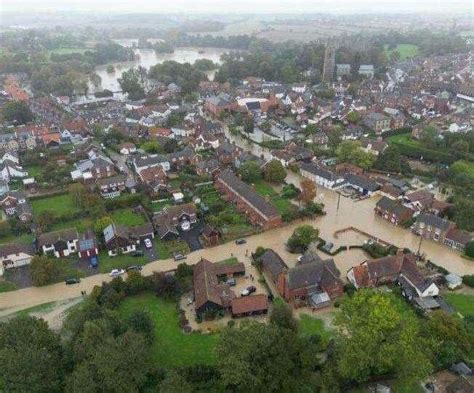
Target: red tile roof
x=247, y=304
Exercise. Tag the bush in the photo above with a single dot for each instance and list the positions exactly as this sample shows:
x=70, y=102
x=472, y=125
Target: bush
x=231, y=323
x=468, y=280
x=470, y=249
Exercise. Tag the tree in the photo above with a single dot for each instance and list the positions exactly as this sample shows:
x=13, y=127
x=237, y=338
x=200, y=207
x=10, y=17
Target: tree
x=102, y=223
x=152, y=147
x=302, y=237
x=136, y=283
x=17, y=111
x=31, y=356
x=274, y=172
x=350, y=151
x=132, y=83
x=248, y=124
x=44, y=270
x=379, y=336
x=464, y=213
x=265, y=358
x=353, y=117
x=448, y=337
x=308, y=191
x=470, y=249
x=250, y=171
x=390, y=159
x=45, y=220
x=282, y=316
x=175, y=383
x=141, y=322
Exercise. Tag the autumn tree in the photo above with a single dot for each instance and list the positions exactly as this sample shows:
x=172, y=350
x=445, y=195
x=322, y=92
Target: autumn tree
x=308, y=191
x=44, y=270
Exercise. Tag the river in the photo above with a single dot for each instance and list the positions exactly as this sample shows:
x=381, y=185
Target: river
x=148, y=58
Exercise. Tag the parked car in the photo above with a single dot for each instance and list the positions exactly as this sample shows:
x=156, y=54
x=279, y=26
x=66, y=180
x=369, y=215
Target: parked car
x=137, y=253
x=300, y=258
x=71, y=281
x=148, y=243
x=231, y=282
x=94, y=261
x=247, y=291
x=116, y=272
x=134, y=267
x=179, y=256
x=240, y=241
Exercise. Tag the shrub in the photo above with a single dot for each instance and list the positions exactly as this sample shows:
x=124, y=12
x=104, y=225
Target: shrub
x=468, y=280
x=231, y=323
x=470, y=249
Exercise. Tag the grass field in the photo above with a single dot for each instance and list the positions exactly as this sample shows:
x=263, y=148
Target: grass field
x=6, y=286
x=310, y=326
x=406, y=51
x=59, y=204
x=463, y=166
x=107, y=263
x=66, y=51
x=283, y=205
x=172, y=348
x=127, y=217
x=404, y=139
x=464, y=304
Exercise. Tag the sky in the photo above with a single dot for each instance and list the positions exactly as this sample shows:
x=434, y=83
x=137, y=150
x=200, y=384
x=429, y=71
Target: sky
x=236, y=6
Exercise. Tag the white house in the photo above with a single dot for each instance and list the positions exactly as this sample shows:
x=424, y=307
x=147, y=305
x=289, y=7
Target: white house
x=61, y=243
x=320, y=176
x=15, y=255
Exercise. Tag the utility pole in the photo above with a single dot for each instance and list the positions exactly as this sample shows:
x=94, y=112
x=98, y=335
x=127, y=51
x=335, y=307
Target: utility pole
x=338, y=200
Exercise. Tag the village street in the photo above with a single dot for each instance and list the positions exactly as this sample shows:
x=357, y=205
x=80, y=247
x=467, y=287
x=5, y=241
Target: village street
x=350, y=214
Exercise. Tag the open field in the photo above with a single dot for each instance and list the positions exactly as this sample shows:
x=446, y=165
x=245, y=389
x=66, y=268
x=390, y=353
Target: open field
x=172, y=347
x=59, y=204
x=404, y=139
x=464, y=304
x=406, y=51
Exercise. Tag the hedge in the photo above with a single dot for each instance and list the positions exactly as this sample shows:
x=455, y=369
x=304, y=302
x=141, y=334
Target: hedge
x=468, y=280
x=427, y=154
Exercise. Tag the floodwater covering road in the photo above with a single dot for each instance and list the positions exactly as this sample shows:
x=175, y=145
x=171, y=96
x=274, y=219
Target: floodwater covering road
x=350, y=214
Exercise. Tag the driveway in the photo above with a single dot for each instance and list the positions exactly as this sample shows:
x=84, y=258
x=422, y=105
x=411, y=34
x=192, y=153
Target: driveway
x=192, y=237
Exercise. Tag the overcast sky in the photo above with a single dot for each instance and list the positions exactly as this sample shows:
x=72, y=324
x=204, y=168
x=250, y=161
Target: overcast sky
x=240, y=6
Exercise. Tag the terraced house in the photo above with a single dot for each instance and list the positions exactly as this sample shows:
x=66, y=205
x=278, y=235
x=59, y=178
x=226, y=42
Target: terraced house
x=255, y=207
x=393, y=211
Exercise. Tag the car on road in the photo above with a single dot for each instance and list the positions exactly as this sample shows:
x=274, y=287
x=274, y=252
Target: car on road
x=248, y=291
x=134, y=267
x=148, y=243
x=240, y=241
x=137, y=253
x=72, y=281
x=116, y=272
x=179, y=256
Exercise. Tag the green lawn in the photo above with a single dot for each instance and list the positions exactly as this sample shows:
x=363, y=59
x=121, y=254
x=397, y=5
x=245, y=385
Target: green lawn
x=107, y=263
x=26, y=238
x=229, y=261
x=463, y=166
x=265, y=189
x=160, y=247
x=172, y=348
x=309, y=326
x=405, y=139
x=59, y=204
x=406, y=51
x=6, y=286
x=81, y=224
x=284, y=206
x=127, y=217
x=464, y=304
x=39, y=308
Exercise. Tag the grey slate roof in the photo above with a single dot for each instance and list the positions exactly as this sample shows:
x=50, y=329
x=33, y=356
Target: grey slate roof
x=272, y=263
x=434, y=221
x=319, y=171
x=313, y=274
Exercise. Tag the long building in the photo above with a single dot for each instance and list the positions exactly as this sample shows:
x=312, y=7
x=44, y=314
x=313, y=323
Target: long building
x=259, y=211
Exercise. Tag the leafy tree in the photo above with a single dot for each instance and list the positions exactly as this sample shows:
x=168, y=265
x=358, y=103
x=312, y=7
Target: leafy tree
x=250, y=171
x=353, y=117
x=132, y=83
x=175, y=383
x=470, y=249
x=350, y=151
x=141, y=322
x=152, y=147
x=378, y=335
x=308, y=191
x=390, y=159
x=248, y=124
x=302, y=237
x=464, y=213
x=449, y=338
x=44, y=270
x=274, y=172
x=265, y=358
x=17, y=111
x=135, y=283
x=31, y=356
x=102, y=223
x=282, y=316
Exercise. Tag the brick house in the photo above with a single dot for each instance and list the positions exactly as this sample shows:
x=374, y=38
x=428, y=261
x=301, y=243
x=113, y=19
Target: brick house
x=15, y=204
x=255, y=207
x=170, y=220
x=111, y=187
x=457, y=238
x=393, y=211
x=227, y=153
x=432, y=227
x=87, y=245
